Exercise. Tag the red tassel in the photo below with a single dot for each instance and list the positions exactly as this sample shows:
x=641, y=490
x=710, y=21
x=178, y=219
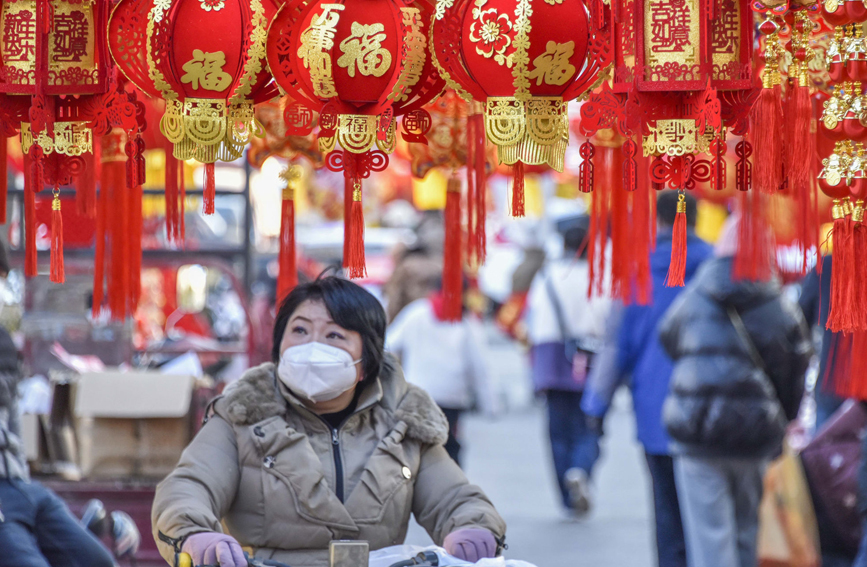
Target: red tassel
x=644, y=226
x=677, y=267
x=842, y=270
x=481, y=205
x=452, y=261
x=30, y=183
x=800, y=156
x=288, y=275
x=4, y=180
x=57, y=274
x=518, y=189
x=472, y=252
x=859, y=254
x=767, y=125
x=99, y=255
x=135, y=223
x=754, y=256
x=598, y=234
x=85, y=187
x=357, y=269
x=171, y=197
x=210, y=192
x=182, y=202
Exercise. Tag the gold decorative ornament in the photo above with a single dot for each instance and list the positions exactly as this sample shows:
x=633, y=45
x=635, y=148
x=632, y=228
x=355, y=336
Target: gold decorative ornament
x=67, y=138
x=416, y=55
x=535, y=131
x=364, y=49
x=523, y=11
x=553, y=67
x=316, y=44
x=677, y=137
x=492, y=33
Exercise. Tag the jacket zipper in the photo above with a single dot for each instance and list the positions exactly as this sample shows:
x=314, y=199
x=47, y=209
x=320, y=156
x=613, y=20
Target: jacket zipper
x=338, y=464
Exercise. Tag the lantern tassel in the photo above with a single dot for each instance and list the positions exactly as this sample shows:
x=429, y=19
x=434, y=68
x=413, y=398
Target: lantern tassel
x=357, y=269
x=767, y=122
x=452, y=261
x=677, y=267
x=518, y=189
x=210, y=192
x=481, y=205
x=842, y=269
x=859, y=251
x=755, y=249
x=171, y=197
x=4, y=180
x=57, y=274
x=99, y=256
x=288, y=275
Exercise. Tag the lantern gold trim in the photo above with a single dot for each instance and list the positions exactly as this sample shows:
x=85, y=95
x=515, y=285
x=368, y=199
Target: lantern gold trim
x=68, y=138
x=534, y=131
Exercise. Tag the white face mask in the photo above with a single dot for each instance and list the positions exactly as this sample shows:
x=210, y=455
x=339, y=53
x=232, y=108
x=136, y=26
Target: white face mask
x=317, y=371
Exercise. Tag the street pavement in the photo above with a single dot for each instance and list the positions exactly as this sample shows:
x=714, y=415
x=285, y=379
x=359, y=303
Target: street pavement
x=509, y=458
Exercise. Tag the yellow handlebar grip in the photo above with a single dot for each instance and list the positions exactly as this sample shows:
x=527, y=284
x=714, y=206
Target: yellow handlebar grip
x=184, y=560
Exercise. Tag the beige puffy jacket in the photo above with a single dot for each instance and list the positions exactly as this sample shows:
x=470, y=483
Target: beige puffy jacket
x=271, y=470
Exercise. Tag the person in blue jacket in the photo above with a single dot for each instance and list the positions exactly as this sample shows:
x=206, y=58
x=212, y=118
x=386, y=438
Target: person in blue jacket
x=633, y=352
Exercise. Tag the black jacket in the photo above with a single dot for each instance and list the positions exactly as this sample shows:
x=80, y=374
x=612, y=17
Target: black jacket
x=721, y=403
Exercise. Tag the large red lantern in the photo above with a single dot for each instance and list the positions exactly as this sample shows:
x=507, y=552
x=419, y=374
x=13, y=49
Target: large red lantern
x=206, y=59
x=359, y=64
x=524, y=60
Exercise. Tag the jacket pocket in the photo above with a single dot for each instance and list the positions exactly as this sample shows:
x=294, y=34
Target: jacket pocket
x=385, y=486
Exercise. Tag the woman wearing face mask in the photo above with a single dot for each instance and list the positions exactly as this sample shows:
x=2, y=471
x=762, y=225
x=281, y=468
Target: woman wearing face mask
x=327, y=442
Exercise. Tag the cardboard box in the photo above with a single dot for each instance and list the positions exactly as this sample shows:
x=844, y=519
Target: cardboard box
x=132, y=424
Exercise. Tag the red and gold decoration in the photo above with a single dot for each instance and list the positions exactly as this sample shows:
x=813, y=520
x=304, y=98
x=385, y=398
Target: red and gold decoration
x=209, y=80
x=359, y=64
x=843, y=120
x=60, y=92
x=682, y=72
x=524, y=60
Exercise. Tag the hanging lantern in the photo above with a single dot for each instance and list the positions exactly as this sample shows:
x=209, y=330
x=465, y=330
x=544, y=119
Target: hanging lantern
x=206, y=59
x=524, y=61
x=359, y=64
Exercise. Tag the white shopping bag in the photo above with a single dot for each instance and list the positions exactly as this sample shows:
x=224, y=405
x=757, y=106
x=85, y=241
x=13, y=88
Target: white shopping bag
x=388, y=556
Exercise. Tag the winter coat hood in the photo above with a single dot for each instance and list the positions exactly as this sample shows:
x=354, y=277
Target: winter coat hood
x=284, y=483
x=715, y=282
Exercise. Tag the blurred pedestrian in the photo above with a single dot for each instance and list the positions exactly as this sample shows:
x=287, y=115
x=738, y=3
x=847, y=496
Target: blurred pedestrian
x=633, y=352
x=415, y=276
x=446, y=359
x=36, y=527
x=740, y=351
x=565, y=329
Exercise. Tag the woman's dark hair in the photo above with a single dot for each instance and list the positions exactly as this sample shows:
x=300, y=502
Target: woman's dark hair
x=350, y=306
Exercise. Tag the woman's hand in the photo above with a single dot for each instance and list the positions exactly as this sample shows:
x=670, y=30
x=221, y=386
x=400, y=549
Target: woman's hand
x=471, y=544
x=211, y=548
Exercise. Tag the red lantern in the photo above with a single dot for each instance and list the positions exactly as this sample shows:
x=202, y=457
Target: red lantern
x=524, y=60
x=359, y=64
x=206, y=58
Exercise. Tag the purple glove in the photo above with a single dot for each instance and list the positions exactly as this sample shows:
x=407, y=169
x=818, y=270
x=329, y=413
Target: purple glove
x=211, y=548
x=471, y=544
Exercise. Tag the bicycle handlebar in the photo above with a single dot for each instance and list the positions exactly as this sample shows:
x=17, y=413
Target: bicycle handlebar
x=186, y=560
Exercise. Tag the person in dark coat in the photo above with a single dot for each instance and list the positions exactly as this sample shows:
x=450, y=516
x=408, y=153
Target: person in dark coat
x=740, y=352
x=36, y=527
x=633, y=353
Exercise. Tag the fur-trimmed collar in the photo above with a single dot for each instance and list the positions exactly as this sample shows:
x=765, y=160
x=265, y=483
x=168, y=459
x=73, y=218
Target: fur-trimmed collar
x=255, y=397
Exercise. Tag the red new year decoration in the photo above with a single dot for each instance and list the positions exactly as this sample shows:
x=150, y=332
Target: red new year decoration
x=524, y=60
x=359, y=64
